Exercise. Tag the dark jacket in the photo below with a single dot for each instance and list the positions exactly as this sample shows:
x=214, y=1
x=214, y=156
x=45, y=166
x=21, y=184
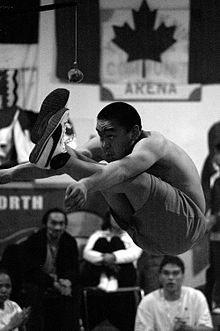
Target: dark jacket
x=215, y=204
x=67, y=263
x=208, y=169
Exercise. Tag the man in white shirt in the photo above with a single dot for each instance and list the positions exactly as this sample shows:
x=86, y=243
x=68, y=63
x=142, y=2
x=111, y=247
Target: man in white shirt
x=173, y=307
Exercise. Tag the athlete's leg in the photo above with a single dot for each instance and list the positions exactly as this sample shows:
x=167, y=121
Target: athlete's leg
x=26, y=171
x=136, y=191
x=75, y=165
x=159, y=218
x=123, y=205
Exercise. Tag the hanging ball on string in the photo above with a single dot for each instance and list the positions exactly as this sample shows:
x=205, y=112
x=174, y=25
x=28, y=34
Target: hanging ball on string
x=75, y=75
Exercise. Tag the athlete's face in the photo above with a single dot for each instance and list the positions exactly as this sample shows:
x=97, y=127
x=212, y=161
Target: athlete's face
x=115, y=140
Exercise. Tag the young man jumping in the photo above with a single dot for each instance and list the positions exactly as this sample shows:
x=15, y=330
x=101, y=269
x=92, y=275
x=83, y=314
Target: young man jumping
x=151, y=185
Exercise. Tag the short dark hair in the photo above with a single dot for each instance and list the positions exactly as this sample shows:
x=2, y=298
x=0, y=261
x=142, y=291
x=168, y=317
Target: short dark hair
x=53, y=210
x=169, y=259
x=125, y=114
x=5, y=271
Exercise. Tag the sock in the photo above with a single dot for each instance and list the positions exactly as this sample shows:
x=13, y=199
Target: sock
x=59, y=160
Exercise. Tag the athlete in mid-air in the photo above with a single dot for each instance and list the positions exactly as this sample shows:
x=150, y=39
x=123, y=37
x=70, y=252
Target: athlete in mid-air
x=150, y=184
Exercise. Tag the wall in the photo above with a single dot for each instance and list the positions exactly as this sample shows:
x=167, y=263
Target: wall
x=186, y=123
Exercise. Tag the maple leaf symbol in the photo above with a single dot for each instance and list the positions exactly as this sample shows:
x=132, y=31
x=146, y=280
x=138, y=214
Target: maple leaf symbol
x=144, y=42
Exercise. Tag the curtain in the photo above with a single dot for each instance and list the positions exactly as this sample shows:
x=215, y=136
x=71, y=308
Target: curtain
x=88, y=52
x=204, y=61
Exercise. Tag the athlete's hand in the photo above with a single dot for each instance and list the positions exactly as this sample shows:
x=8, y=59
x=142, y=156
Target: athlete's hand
x=76, y=196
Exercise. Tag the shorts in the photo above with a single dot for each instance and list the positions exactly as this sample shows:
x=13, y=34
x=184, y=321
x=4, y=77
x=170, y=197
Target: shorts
x=169, y=223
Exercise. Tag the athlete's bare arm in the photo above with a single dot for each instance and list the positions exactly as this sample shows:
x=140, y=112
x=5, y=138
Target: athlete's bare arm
x=145, y=153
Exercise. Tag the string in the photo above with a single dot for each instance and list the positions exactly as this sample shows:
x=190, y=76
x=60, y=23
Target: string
x=76, y=35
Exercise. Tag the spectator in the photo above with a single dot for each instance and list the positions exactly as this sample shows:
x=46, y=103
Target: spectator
x=173, y=307
x=12, y=316
x=109, y=257
x=12, y=260
x=211, y=187
x=52, y=275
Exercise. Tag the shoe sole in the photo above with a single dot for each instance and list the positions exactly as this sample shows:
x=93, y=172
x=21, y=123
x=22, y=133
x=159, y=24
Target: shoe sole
x=55, y=101
x=40, y=146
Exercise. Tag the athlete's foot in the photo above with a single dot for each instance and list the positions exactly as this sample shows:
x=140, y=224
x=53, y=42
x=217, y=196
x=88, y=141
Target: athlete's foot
x=55, y=101
x=52, y=143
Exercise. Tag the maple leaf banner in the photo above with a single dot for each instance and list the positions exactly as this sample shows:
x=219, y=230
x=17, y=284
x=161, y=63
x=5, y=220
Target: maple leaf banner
x=145, y=51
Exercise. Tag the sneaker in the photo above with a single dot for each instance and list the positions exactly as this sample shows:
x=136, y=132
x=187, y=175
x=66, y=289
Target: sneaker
x=55, y=101
x=112, y=284
x=52, y=141
x=103, y=284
